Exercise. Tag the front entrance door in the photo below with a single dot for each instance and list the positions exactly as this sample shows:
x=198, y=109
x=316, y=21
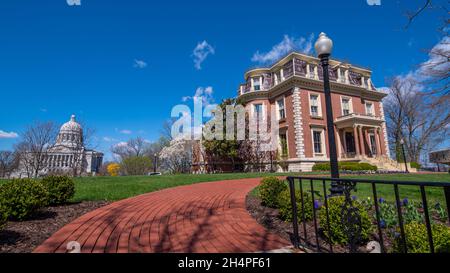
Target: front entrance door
x=349, y=143
x=373, y=145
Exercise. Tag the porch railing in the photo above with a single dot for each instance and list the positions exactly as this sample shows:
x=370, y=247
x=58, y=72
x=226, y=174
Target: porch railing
x=309, y=234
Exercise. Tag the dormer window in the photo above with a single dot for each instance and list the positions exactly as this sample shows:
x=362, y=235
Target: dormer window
x=312, y=73
x=256, y=84
x=342, y=75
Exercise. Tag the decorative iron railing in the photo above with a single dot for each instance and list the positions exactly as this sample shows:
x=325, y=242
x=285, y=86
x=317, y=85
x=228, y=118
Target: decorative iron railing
x=320, y=238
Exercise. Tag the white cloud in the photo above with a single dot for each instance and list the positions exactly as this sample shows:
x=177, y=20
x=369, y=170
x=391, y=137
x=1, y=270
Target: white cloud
x=288, y=44
x=205, y=94
x=73, y=2
x=121, y=144
x=126, y=132
x=437, y=62
x=109, y=139
x=4, y=134
x=139, y=64
x=201, y=52
x=383, y=89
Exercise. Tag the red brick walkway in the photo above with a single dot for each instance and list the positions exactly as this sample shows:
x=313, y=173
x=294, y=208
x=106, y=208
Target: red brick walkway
x=204, y=217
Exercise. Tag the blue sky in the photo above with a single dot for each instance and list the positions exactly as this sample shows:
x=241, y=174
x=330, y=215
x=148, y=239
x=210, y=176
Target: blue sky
x=121, y=66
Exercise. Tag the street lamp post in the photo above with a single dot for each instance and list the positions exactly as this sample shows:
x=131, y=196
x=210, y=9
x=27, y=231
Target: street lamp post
x=271, y=162
x=154, y=162
x=323, y=47
x=402, y=142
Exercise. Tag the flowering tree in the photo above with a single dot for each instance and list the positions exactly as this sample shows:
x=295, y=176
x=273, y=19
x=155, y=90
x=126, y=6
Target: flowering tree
x=113, y=169
x=176, y=158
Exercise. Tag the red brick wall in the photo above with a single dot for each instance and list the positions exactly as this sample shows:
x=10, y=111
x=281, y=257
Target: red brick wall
x=358, y=107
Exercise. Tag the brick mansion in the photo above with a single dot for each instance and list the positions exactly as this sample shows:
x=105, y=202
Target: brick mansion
x=293, y=88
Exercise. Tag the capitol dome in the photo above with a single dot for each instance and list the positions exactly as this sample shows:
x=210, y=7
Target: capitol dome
x=70, y=134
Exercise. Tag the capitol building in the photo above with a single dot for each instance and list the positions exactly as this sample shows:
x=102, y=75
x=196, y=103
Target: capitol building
x=68, y=155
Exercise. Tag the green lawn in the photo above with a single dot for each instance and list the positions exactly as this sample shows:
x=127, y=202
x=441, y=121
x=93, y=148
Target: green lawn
x=116, y=188
x=434, y=194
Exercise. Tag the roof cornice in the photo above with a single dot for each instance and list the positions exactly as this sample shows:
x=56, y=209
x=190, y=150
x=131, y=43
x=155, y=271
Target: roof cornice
x=311, y=84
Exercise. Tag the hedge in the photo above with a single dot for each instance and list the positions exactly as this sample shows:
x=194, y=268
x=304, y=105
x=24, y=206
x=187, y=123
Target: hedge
x=3, y=216
x=285, y=206
x=22, y=197
x=345, y=166
x=270, y=189
x=339, y=225
x=60, y=189
x=417, y=238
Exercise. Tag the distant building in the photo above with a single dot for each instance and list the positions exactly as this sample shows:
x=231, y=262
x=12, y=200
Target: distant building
x=68, y=155
x=293, y=87
x=440, y=157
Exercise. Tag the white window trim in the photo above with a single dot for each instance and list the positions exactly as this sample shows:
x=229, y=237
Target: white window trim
x=322, y=140
x=278, y=108
x=253, y=83
x=319, y=104
x=350, y=104
x=263, y=109
x=373, y=108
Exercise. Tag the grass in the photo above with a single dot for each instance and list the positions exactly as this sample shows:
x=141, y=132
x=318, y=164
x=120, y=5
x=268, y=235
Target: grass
x=116, y=188
x=363, y=190
x=434, y=194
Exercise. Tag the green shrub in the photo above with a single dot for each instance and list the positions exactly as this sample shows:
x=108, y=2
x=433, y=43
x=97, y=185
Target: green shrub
x=321, y=167
x=285, y=205
x=136, y=165
x=415, y=165
x=345, y=166
x=337, y=224
x=3, y=216
x=417, y=238
x=22, y=197
x=367, y=167
x=270, y=189
x=60, y=189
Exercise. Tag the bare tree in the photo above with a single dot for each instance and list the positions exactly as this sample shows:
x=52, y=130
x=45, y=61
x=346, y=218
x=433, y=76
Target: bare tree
x=411, y=15
x=415, y=117
x=425, y=125
x=166, y=130
x=133, y=147
x=8, y=163
x=436, y=71
x=34, y=147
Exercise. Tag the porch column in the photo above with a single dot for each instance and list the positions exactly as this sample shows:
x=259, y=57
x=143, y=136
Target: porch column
x=344, y=144
x=355, y=135
x=338, y=138
x=361, y=140
x=377, y=139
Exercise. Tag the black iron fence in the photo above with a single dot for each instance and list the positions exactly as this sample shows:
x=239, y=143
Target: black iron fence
x=311, y=196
